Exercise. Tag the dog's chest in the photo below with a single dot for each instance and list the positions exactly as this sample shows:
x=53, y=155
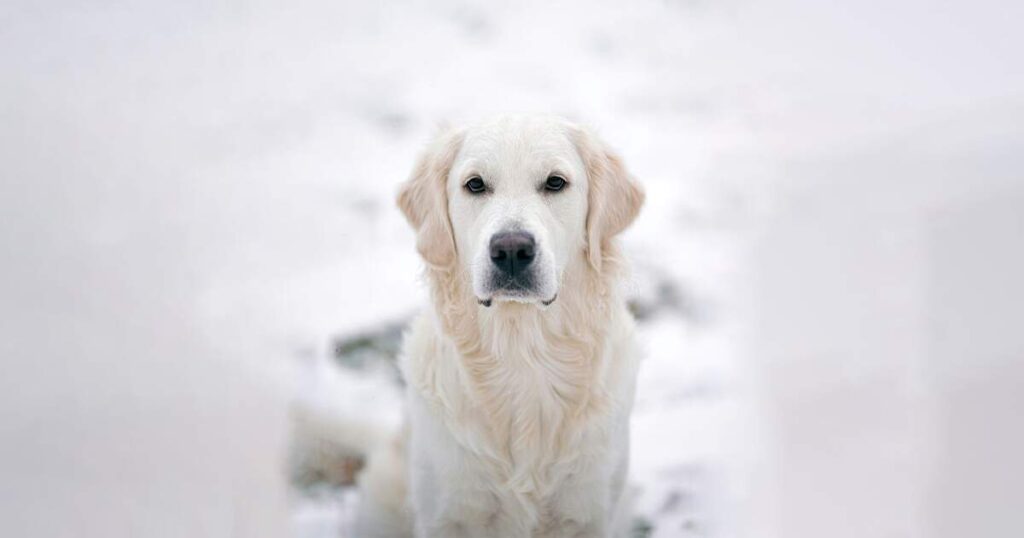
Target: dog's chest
x=546, y=460
x=526, y=411
x=533, y=413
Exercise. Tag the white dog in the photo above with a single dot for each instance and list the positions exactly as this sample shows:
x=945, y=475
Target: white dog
x=520, y=378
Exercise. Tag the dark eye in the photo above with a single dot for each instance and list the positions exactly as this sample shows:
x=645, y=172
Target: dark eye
x=476, y=185
x=554, y=183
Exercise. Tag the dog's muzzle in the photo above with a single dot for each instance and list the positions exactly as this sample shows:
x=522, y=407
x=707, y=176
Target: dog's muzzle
x=513, y=271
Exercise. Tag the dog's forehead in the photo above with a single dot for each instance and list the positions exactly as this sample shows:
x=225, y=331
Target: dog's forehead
x=517, y=143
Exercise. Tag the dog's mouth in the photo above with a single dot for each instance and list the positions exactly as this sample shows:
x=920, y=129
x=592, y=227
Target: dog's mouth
x=515, y=298
x=524, y=287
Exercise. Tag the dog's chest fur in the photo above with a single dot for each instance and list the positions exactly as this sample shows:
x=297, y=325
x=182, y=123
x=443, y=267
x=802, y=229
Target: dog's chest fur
x=525, y=402
x=520, y=402
x=535, y=404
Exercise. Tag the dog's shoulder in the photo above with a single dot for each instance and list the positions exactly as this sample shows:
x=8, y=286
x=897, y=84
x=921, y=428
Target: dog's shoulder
x=421, y=349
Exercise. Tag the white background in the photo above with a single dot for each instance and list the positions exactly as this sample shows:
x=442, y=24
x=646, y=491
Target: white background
x=195, y=198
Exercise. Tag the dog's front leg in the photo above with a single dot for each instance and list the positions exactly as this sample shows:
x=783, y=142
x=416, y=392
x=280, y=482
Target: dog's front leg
x=581, y=510
x=573, y=529
x=452, y=493
x=588, y=500
x=462, y=509
x=457, y=507
x=465, y=524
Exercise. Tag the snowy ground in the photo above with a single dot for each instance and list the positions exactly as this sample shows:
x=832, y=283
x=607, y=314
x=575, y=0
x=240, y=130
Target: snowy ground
x=197, y=204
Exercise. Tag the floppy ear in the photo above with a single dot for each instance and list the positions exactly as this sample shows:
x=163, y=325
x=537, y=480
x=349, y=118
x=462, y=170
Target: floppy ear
x=424, y=200
x=614, y=199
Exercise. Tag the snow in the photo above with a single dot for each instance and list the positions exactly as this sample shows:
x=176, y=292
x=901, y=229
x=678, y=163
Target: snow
x=197, y=202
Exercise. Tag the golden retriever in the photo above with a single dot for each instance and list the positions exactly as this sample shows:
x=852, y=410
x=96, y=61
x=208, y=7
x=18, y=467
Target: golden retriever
x=520, y=376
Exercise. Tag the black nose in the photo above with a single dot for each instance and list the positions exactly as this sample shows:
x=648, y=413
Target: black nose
x=512, y=252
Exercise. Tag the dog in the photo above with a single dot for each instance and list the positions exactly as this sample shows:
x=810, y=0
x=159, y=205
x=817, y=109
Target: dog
x=520, y=377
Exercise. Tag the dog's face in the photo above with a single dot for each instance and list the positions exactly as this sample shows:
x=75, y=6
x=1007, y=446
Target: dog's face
x=516, y=202
x=517, y=199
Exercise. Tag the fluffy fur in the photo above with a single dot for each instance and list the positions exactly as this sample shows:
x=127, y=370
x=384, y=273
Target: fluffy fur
x=518, y=413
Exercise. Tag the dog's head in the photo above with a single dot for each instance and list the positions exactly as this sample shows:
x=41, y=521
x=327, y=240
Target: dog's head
x=516, y=202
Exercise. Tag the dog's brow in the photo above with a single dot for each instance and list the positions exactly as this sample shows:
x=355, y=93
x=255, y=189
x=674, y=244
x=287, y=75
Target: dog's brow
x=467, y=169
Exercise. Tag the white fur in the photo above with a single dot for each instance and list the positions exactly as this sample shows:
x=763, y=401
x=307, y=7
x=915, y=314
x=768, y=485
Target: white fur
x=518, y=413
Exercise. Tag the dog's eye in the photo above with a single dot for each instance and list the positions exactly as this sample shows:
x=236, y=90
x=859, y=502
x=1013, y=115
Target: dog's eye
x=554, y=183
x=475, y=185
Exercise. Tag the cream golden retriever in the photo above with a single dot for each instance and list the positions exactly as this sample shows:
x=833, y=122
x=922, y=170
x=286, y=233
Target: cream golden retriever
x=520, y=377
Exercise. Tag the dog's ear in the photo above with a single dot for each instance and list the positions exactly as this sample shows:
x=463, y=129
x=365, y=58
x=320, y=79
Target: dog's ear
x=424, y=200
x=614, y=199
